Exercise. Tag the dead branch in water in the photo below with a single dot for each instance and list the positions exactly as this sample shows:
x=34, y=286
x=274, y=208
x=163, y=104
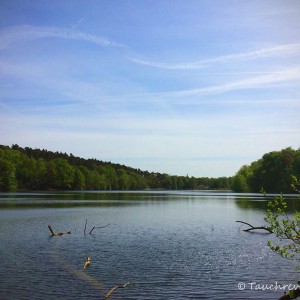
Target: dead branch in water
x=255, y=227
x=114, y=288
x=98, y=227
x=85, y=226
x=57, y=233
x=95, y=227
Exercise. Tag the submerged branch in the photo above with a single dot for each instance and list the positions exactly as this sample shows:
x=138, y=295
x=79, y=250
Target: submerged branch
x=255, y=227
x=57, y=233
x=114, y=288
x=98, y=227
x=95, y=227
x=85, y=226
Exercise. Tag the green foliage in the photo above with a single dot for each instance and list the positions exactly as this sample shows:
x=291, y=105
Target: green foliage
x=285, y=227
x=79, y=180
x=62, y=174
x=8, y=180
x=273, y=172
x=35, y=169
x=239, y=184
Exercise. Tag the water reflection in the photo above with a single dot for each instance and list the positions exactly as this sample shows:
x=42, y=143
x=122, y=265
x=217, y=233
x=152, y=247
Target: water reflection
x=168, y=245
x=119, y=198
x=293, y=203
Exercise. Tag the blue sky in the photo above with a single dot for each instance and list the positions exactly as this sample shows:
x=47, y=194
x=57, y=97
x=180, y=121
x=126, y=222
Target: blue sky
x=179, y=87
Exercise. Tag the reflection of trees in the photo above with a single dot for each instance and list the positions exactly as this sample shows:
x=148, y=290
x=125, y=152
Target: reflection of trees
x=63, y=204
x=245, y=203
x=83, y=199
x=262, y=204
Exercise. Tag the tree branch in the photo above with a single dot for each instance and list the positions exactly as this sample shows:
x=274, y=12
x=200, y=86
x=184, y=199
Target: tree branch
x=255, y=227
x=85, y=226
x=114, y=288
x=98, y=227
x=57, y=233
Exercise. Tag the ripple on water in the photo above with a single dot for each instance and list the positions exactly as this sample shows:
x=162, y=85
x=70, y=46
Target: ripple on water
x=166, y=250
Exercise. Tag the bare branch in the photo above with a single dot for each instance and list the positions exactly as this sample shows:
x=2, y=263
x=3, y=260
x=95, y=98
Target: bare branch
x=57, y=233
x=255, y=227
x=98, y=227
x=107, y=295
x=85, y=225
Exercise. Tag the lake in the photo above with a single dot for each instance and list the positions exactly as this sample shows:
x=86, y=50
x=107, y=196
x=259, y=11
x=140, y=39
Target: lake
x=166, y=244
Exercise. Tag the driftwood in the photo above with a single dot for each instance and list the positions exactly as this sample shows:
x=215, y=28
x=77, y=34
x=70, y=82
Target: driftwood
x=95, y=227
x=114, y=288
x=295, y=294
x=255, y=227
x=98, y=227
x=57, y=233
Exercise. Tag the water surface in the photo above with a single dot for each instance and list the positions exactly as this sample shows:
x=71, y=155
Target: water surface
x=166, y=244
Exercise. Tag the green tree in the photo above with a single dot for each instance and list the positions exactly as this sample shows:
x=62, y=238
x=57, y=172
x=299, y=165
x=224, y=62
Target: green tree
x=166, y=182
x=239, y=184
x=96, y=180
x=111, y=178
x=141, y=182
x=296, y=165
x=153, y=181
x=105, y=182
x=8, y=181
x=79, y=180
x=286, y=228
x=204, y=182
x=28, y=172
x=123, y=180
x=51, y=175
x=63, y=175
x=87, y=177
x=275, y=170
x=40, y=174
x=133, y=181
x=174, y=182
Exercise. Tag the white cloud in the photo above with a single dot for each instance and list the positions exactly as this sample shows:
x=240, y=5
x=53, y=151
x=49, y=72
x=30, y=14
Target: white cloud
x=286, y=75
x=11, y=35
x=281, y=50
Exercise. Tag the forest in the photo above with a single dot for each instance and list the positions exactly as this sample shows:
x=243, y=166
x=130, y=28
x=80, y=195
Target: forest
x=27, y=169
x=272, y=173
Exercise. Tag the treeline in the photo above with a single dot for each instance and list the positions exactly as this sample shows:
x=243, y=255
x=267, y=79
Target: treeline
x=35, y=169
x=272, y=173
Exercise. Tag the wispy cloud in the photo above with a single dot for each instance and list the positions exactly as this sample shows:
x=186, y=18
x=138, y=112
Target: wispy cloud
x=286, y=75
x=11, y=35
x=249, y=83
x=281, y=50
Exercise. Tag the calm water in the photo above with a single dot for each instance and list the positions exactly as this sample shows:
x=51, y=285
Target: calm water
x=167, y=245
